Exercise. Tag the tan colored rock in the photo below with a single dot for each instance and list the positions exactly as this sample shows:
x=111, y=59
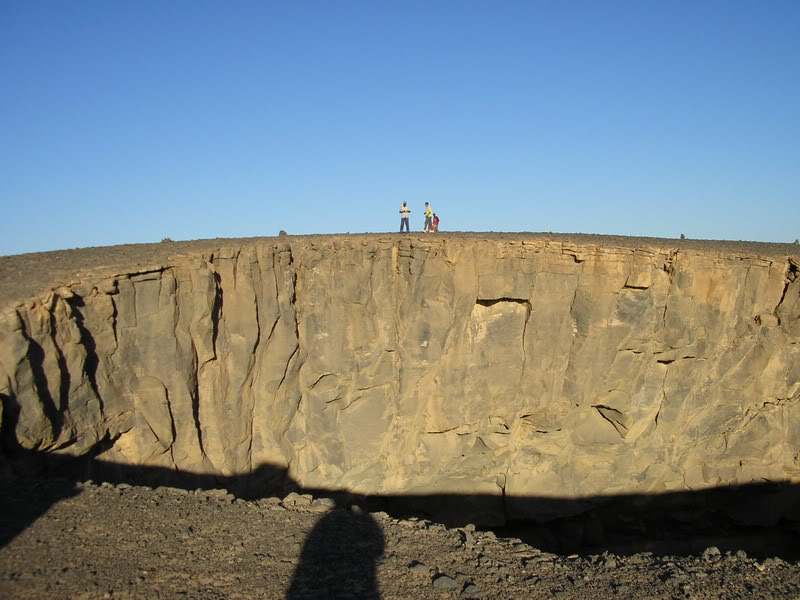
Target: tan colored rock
x=394, y=365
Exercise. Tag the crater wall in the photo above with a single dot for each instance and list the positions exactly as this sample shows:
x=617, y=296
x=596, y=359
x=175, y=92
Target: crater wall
x=390, y=366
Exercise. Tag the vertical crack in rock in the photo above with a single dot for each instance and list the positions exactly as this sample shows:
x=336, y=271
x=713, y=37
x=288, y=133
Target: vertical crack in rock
x=195, y=397
x=36, y=359
x=61, y=360
x=250, y=376
x=114, y=317
x=92, y=361
x=216, y=313
x=789, y=278
x=669, y=268
x=171, y=447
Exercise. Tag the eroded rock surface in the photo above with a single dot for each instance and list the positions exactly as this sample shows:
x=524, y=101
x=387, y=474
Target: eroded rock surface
x=387, y=365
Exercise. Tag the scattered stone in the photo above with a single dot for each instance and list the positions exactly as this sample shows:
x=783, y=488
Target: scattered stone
x=268, y=502
x=418, y=567
x=772, y=562
x=471, y=591
x=295, y=500
x=443, y=582
x=322, y=504
x=173, y=490
x=711, y=553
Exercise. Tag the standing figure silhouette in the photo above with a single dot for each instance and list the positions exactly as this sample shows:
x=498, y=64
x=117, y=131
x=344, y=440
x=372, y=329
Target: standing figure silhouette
x=339, y=559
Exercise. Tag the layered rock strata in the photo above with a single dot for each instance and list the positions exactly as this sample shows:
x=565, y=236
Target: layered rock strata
x=504, y=369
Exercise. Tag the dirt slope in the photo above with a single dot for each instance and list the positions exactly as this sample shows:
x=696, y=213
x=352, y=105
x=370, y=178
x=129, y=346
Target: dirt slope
x=134, y=542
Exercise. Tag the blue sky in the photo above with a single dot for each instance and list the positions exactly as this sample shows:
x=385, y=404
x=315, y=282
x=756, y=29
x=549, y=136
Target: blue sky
x=131, y=121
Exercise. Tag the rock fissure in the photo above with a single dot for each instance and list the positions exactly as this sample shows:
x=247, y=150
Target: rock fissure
x=791, y=275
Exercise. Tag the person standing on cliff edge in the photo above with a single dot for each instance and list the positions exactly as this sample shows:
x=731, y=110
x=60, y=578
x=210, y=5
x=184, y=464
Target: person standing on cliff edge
x=404, y=212
x=428, y=218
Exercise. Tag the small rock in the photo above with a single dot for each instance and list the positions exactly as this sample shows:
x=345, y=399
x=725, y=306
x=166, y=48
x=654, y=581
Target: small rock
x=418, y=567
x=443, y=582
x=471, y=591
x=772, y=562
x=407, y=524
x=294, y=499
x=711, y=553
x=610, y=563
x=172, y=490
x=322, y=504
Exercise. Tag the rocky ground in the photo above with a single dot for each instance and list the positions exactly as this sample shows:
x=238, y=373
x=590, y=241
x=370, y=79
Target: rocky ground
x=23, y=275
x=84, y=541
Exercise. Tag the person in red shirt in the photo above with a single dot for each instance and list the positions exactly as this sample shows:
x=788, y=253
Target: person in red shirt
x=435, y=223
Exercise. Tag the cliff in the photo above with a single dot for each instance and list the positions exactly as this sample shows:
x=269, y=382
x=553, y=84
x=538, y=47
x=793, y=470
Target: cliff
x=505, y=367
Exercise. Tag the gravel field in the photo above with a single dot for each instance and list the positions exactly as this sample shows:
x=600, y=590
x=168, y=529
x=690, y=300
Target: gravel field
x=87, y=541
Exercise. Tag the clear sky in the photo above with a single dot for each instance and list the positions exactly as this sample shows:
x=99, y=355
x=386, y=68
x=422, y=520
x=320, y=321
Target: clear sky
x=133, y=121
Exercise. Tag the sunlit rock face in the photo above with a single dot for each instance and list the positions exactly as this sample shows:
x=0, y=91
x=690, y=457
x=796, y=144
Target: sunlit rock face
x=500, y=367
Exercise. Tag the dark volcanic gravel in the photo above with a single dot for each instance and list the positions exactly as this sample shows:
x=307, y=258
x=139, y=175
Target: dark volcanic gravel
x=86, y=541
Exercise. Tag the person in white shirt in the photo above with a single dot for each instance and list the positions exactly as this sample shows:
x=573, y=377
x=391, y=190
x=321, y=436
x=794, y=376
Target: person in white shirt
x=404, y=212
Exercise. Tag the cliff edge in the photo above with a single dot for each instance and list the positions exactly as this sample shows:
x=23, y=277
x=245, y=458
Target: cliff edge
x=504, y=366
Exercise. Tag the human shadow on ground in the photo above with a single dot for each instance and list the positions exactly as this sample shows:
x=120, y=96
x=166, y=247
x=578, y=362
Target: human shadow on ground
x=762, y=519
x=339, y=558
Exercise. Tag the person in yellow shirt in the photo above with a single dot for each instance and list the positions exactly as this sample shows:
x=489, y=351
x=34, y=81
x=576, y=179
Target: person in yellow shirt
x=428, y=218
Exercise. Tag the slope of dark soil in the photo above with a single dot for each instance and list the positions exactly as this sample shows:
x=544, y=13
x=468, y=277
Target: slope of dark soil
x=102, y=541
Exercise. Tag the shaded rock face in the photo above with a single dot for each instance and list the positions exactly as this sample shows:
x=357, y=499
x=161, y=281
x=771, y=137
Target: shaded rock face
x=502, y=369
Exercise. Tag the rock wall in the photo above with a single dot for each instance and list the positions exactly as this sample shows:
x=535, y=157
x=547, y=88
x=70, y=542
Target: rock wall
x=499, y=368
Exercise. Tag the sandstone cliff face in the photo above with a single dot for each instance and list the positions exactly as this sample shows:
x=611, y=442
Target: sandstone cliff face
x=506, y=368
